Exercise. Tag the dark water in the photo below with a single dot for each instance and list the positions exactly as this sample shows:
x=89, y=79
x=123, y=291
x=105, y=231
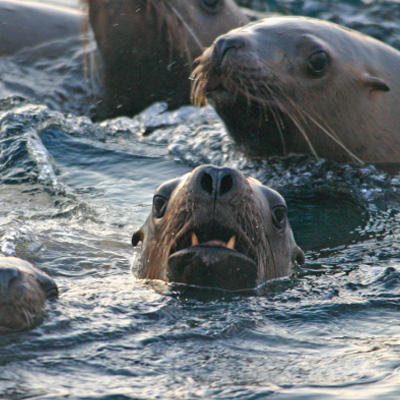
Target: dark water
x=71, y=194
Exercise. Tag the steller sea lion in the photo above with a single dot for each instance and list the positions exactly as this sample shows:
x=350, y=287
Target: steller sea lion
x=214, y=227
x=23, y=293
x=28, y=24
x=147, y=48
x=302, y=85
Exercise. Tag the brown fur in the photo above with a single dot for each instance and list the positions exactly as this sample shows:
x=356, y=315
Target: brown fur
x=147, y=48
x=23, y=301
x=245, y=212
x=271, y=104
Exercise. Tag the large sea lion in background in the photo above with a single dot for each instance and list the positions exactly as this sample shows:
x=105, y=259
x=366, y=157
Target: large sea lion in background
x=302, y=85
x=147, y=47
x=214, y=227
x=27, y=24
x=23, y=293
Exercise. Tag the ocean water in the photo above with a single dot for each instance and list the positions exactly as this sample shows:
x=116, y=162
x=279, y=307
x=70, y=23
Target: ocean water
x=72, y=192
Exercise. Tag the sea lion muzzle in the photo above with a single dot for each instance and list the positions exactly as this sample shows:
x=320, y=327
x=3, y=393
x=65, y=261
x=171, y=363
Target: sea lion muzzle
x=216, y=228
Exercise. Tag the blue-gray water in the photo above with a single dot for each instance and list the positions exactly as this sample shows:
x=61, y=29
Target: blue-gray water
x=71, y=194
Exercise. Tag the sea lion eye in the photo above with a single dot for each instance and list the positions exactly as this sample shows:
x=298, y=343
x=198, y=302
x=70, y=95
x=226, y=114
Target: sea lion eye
x=159, y=205
x=318, y=63
x=279, y=216
x=211, y=5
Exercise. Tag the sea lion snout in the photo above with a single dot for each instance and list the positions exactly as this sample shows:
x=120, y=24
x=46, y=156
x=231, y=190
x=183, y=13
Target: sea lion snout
x=214, y=182
x=215, y=227
x=7, y=276
x=303, y=85
x=222, y=46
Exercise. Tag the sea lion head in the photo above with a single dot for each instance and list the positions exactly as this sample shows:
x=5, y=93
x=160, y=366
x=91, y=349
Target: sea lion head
x=215, y=227
x=148, y=46
x=23, y=293
x=293, y=84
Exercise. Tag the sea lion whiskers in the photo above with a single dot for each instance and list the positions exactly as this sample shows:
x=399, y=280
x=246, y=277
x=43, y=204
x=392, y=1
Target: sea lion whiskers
x=253, y=230
x=329, y=132
x=188, y=28
x=291, y=116
x=340, y=88
x=198, y=78
x=296, y=122
x=278, y=119
x=28, y=317
x=225, y=230
x=173, y=225
x=263, y=99
x=258, y=230
x=23, y=293
x=304, y=134
x=174, y=29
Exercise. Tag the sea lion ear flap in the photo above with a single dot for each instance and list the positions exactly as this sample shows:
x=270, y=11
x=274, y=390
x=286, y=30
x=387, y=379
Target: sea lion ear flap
x=375, y=83
x=137, y=237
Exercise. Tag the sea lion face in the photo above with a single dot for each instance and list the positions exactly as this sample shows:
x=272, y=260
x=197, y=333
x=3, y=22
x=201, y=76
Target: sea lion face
x=295, y=84
x=215, y=227
x=148, y=46
x=23, y=293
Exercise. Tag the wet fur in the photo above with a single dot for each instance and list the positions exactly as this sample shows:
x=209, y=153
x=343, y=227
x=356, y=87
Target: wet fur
x=185, y=212
x=148, y=49
x=24, y=305
x=245, y=214
x=249, y=79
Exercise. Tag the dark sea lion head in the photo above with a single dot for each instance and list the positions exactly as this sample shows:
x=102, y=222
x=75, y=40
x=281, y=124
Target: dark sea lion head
x=147, y=47
x=23, y=293
x=293, y=84
x=214, y=227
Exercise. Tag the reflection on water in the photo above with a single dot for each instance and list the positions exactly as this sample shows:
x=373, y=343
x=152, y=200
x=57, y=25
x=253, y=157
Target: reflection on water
x=71, y=194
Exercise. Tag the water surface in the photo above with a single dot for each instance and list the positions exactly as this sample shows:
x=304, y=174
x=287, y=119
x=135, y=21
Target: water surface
x=72, y=192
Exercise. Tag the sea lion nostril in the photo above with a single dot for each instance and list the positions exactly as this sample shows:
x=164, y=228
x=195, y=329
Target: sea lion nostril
x=206, y=183
x=217, y=232
x=221, y=48
x=7, y=275
x=226, y=184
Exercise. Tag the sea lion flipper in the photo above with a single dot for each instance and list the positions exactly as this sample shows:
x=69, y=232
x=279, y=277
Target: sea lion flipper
x=375, y=83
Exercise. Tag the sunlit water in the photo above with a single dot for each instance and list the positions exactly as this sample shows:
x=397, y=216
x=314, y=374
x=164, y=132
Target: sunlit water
x=72, y=192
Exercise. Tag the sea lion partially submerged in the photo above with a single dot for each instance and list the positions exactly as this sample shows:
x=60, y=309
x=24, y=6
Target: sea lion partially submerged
x=27, y=24
x=303, y=85
x=147, y=47
x=23, y=293
x=214, y=227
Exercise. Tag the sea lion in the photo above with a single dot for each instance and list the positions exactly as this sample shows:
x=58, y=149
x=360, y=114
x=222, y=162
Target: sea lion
x=23, y=293
x=214, y=227
x=147, y=48
x=303, y=85
x=28, y=24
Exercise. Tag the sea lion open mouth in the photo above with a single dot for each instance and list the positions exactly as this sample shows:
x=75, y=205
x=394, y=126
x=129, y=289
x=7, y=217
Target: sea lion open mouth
x=216, y=228
x=214, y=257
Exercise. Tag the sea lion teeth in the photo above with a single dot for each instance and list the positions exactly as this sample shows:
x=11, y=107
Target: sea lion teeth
x=231, y=243
x=204, y=202
x=195, y=241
